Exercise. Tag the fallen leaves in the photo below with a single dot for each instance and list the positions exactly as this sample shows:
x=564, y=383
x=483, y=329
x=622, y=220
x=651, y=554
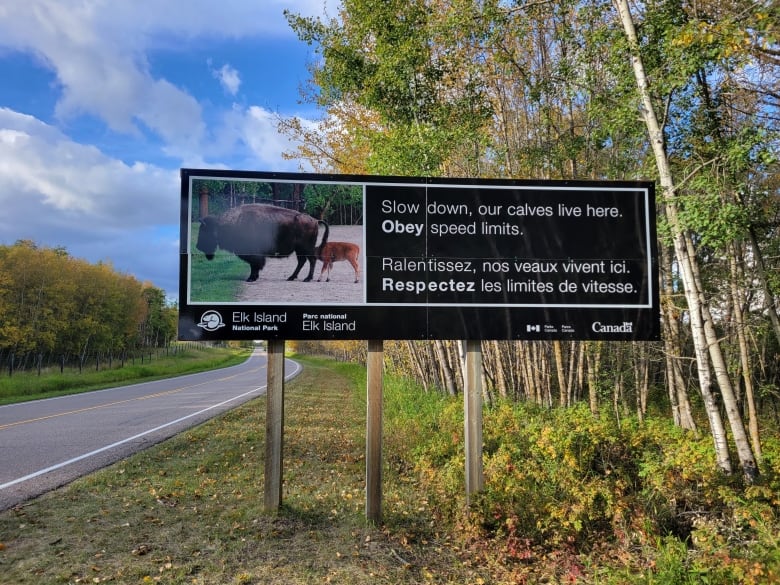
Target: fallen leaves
x=141, y=550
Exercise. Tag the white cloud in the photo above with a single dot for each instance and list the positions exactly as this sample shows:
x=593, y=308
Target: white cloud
x=60, y=192
x=38, y=163
x=259, y=133
x=98, y=51
x=229, y=79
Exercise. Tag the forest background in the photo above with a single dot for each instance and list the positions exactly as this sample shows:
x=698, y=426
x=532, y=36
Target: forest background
x=58, y=311
x=685, y=94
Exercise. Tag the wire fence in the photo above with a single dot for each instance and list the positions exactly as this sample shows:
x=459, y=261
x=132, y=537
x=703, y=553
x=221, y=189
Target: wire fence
x=59, y=361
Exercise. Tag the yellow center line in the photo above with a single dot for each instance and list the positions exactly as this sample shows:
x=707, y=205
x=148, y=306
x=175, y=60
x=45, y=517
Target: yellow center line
x=115, y=403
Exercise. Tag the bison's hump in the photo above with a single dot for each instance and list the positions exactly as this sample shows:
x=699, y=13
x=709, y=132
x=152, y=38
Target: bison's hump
x=261, y=213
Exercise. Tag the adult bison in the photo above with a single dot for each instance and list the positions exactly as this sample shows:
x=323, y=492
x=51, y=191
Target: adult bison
x=255, y=231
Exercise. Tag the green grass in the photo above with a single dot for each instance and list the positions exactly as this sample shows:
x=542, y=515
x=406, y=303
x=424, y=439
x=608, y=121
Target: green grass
x=190, y=510
x=216, y=280
x=30, y=386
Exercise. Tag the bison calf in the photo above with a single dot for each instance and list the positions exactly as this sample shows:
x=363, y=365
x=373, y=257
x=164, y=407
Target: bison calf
x=256, y=231
x=331, y=252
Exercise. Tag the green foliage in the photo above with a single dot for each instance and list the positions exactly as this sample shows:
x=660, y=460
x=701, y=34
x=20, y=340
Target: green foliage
x=716, y=222
x=392, y=58
x=408, y=150
x=222, y=195
x=564, y=477
x=338, y=204
x=160, y=324
x=561, y=480
x=50, y=301
x=190, y=509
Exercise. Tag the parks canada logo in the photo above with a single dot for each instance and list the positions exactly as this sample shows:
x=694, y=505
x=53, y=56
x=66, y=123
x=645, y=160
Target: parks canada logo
x=211, y=321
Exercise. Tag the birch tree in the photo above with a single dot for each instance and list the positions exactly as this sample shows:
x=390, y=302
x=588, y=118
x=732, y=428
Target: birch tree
x=501, y=88
x=705, y=340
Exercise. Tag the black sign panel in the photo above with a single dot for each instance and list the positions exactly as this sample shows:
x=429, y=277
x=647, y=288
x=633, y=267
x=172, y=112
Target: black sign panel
x=415, y=258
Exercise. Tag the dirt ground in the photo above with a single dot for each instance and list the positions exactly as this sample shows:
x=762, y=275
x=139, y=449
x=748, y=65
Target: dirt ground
x=273, y=286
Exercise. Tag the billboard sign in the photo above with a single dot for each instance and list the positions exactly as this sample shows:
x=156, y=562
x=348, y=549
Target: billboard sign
x=415, y=258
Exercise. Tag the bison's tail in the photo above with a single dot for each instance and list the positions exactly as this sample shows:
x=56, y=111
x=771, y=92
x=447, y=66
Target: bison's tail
x=324, y=234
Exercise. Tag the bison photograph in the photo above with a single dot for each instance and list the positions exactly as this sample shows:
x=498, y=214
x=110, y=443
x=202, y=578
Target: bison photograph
x=257, y=231
x=232, y=223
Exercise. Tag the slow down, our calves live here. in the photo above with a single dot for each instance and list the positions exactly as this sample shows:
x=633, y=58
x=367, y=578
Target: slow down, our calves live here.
x=257, y=231
x=330, y=252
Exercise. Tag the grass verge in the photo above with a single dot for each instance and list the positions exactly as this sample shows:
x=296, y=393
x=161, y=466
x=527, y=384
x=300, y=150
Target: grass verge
x=30, y=386
x=569, y=498
x=190, y=510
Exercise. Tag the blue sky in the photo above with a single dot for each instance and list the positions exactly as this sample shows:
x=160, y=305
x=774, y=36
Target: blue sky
x=102, y=101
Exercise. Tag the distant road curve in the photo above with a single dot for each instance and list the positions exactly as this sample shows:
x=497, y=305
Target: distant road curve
x=45, y=444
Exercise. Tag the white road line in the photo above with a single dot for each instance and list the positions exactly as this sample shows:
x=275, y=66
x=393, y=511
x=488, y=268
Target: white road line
x=122, y=442
x=138, y=436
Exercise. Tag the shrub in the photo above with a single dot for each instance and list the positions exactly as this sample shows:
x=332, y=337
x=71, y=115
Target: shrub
x=561, y=483
x=557, y=476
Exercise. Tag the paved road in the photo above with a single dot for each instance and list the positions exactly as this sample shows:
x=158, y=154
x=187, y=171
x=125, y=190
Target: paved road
x=45, y=444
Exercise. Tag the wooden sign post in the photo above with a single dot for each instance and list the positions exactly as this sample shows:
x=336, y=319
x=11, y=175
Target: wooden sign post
x=374, y=387
x=274, y=426
x=472, y=402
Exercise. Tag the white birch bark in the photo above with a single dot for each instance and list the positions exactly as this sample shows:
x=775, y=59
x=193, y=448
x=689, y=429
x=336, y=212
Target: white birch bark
x=705, y=341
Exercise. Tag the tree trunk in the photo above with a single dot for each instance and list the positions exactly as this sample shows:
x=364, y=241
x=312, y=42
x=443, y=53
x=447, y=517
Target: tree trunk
x=558, y=353
x=571, y=390
x=593, y=357
x=416, y=361
x=203, y=201
x=641, y=379
x=445, y=367
x=702, y=328
x=617, y=384
x=747, y=459
x=434, y=372
x=769, y=298
x=744, y=355
x=581, y=369
x=678, y=396
x=530, y=381
x=457, y=361
x=545, y=374
x=501, y=369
